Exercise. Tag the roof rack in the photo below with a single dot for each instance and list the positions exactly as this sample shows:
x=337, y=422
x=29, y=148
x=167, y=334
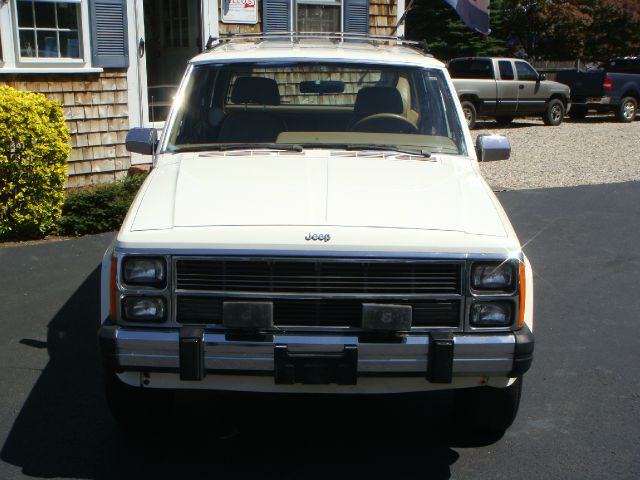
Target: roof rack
x=337, y=37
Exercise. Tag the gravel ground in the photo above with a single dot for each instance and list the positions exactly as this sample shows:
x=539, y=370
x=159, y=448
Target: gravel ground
x=591, y=151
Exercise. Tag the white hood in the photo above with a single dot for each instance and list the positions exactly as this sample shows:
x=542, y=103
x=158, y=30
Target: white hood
x=317, y=190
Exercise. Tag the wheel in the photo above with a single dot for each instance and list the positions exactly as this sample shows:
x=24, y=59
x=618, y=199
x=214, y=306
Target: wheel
x=578, y=113
x=627, y=110
x=470, y=113
x=487, y=409
x=136, y=407
x=504, y=120
x=554, y=114
x=384, y=123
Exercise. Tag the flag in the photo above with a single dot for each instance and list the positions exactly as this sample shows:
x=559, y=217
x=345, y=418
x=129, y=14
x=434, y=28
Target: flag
x=474, y=13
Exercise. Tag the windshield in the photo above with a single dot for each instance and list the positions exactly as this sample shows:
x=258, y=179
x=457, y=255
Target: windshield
x=319, y=105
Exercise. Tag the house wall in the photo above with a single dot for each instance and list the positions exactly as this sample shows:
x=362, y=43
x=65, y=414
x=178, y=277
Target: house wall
x=96, y=111
x=382, y=16
x=382, y=19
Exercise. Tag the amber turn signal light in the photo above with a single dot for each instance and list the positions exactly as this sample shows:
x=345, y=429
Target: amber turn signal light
x=112, y=288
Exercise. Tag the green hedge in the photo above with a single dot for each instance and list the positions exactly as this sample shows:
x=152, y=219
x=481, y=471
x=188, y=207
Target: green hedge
x=34, y=149
x=99, y=209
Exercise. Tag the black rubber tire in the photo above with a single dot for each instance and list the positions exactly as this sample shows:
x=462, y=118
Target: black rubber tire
x=627, y=110
x=487, y=410
x=470, y=113
x=504, y=120
x=554, y=113
x=578, y=113
x=136, y=407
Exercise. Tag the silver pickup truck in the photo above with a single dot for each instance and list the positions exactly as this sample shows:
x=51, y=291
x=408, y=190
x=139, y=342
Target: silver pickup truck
x=505, y=88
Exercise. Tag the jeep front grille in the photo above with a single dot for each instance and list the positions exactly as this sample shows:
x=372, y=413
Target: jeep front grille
x=320, y=277
x=318, y=292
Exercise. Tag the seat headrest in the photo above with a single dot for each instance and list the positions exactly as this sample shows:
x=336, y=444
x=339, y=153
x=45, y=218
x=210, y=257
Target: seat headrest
x=256, y=90
x=372, y=100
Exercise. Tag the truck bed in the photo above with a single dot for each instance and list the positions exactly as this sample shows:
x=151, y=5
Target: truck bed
x=583, y=84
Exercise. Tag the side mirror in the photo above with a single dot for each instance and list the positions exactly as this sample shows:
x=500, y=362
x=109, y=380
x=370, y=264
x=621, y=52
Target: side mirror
x=142, y=140
x=492, y=147
x=542, y=77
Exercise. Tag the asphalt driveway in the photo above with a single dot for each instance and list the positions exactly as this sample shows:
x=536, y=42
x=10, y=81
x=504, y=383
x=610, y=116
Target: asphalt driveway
x=579, y=417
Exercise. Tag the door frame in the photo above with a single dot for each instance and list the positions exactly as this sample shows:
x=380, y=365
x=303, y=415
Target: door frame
x=138, y=103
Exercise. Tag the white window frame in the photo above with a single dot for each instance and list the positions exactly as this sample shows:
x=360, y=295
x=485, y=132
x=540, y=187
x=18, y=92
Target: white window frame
x=13, y=63
x=294, y=10
x=331, y=3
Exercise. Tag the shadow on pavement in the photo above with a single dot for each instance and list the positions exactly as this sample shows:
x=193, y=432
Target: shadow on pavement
x=65, y=430
x=591, y=119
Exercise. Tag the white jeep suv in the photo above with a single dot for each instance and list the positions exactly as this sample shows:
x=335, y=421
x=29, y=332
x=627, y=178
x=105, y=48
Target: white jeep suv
x=316, y=221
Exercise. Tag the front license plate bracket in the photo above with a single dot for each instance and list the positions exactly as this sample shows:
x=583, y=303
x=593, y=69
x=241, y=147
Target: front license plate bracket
x=324, y=368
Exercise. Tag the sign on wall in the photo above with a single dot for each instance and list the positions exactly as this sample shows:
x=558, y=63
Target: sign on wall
x=240, y=11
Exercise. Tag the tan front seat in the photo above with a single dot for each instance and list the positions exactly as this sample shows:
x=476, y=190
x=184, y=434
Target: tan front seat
x=252, y=126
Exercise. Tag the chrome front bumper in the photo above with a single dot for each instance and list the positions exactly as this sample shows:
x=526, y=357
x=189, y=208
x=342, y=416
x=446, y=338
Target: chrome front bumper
x=424, y=355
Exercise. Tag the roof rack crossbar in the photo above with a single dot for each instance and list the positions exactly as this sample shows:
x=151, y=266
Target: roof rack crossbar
x=225, y=38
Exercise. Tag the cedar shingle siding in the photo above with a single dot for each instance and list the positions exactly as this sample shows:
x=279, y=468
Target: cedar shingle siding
x=96, y=110
x=382, y=17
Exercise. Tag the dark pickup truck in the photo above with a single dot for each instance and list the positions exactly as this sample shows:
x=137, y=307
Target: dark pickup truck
x=615, y=87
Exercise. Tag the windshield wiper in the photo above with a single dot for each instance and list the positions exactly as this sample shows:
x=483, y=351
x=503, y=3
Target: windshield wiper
x=241, y=146
x=389, y=148
x=366, y=146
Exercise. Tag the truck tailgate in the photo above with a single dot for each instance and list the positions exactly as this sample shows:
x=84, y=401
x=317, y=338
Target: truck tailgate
x=582, y=84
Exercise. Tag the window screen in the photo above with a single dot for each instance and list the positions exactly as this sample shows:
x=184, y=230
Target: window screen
x=318, y=16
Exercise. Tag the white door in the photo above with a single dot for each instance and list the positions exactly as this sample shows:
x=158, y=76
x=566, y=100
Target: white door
x=163, y=36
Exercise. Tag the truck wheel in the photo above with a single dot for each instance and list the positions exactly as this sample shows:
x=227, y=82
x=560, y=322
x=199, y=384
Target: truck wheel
x=554, y=114
x=627, y=110
x=136, y=407
x=578, y=113
x=470, y=113
x=503, y=121
x=487, y=409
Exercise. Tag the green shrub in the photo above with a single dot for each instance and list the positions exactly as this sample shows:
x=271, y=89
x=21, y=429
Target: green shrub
x=99, y=209
x=34, y=148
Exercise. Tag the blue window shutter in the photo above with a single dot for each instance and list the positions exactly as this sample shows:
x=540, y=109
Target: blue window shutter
x=276, y=15
x=356, y=16
x=109, y=46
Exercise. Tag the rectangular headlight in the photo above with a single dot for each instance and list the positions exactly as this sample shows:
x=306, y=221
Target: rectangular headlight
x=491, y=314
x=143, y=309
x=493, y=276
x=144, y=271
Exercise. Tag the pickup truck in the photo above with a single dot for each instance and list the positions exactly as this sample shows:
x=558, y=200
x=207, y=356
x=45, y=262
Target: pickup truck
x=615, y=87
x=505, y=88
x=316, y=222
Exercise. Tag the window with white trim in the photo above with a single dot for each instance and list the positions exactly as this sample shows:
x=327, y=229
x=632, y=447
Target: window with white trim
x=318, y=16
x=49, y=29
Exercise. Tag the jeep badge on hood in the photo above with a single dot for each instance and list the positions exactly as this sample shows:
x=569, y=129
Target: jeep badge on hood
x=320, y=237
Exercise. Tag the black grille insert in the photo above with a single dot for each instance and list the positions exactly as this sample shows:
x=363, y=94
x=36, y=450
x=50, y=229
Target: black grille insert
x=318, y=276
x=320, y=313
